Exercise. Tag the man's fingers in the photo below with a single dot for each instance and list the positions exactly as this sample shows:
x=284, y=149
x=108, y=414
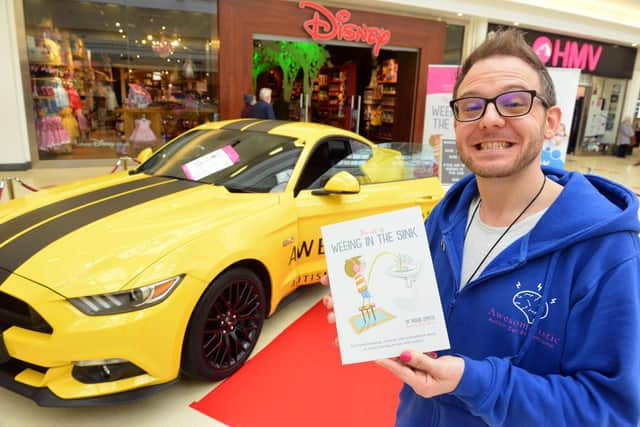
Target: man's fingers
x=417, y=360
x=324, y=280
x=327, y=300
x=331, y=317
x=400, y=370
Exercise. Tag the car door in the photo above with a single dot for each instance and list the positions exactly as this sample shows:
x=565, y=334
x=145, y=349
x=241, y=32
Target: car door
x=381, y=189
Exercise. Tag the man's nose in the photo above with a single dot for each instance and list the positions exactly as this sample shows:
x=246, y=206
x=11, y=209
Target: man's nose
x=491, y=116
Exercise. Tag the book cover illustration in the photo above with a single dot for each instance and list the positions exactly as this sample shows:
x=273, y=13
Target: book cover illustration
x=383, y=285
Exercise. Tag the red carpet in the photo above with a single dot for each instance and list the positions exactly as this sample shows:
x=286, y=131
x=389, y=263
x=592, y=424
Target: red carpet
x=297, y=380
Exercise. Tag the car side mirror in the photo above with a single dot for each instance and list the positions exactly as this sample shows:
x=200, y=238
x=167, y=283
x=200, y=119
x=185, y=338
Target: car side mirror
x=341, y=183
x=144, y=155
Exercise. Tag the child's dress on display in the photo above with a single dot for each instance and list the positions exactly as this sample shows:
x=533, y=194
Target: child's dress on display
x=52, y=136
x=111, y=103
x=70, y=124
x=61, y=97
x=82, y=121
x=142, y=135
x=74, y=98
x=188, y=69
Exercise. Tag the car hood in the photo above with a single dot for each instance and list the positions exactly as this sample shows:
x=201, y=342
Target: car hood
x=100, y=249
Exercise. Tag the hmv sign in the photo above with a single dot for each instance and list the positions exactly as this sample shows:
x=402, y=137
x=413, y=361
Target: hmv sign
x=592, y=57
x=567, y=53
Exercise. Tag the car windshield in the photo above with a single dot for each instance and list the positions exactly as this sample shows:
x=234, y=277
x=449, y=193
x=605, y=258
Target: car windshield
x=253, y=162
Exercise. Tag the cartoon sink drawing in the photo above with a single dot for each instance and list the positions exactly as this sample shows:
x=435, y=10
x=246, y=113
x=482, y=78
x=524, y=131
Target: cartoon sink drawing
x=405, y=268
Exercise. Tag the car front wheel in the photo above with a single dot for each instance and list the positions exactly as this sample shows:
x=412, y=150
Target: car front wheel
x=225, y=326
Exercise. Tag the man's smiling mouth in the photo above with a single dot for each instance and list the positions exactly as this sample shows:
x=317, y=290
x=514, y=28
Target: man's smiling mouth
x=496, y=145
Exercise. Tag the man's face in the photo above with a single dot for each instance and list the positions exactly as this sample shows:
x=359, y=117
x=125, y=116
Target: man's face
x=495, y=146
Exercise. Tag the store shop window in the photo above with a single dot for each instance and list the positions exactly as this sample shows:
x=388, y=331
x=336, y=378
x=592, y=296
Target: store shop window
x=453, y=46
x=108, y=79
x=604, y=114
x=340, y=85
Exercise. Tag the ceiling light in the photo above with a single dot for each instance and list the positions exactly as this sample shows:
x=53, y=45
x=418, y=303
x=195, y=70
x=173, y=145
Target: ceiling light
x=117, y=24
x=516, y=23
x=460, y=14
x=634, y=44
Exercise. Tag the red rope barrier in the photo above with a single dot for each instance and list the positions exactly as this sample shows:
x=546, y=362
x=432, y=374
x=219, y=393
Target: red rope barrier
x=28, y=187
x=115, y=168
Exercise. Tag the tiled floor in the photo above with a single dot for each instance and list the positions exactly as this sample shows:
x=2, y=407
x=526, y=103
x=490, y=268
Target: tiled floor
x=171, y=407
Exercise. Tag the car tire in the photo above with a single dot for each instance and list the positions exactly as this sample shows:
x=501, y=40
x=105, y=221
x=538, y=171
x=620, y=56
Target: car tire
x=225, y=326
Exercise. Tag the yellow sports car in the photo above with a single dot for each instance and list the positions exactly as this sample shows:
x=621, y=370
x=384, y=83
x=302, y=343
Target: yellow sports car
x=113, y=286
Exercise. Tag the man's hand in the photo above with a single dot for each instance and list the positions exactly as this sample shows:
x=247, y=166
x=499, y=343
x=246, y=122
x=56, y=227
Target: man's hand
x=327, y=300
x=426, y=375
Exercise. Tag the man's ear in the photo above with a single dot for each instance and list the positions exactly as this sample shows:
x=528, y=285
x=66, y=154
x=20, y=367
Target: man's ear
x=552, y=121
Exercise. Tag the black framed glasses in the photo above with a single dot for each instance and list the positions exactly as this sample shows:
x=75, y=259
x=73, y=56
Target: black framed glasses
x=514, y=103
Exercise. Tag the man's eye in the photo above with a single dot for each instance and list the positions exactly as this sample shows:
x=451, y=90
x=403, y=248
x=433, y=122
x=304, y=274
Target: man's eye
x=513, y=100
x=472, y=106
x=512, y=103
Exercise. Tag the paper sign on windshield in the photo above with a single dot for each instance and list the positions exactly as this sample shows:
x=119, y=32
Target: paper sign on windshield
x=385, y=295
x=210, y=163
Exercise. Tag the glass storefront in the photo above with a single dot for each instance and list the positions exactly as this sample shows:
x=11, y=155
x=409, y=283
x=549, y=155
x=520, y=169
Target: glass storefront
x=453, y=46
x=109, y=78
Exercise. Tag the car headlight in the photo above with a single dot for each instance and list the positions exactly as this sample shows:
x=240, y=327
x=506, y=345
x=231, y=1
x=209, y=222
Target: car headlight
x=124, y=301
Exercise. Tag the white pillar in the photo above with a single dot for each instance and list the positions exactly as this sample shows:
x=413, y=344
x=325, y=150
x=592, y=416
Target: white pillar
x=14, y=145
x=475, y=33
x=633, y=91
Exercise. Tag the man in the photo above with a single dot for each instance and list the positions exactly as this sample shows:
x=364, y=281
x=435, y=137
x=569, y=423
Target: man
x=249, y=102
x=538, y=269
x=624, y=137
x=263, y=109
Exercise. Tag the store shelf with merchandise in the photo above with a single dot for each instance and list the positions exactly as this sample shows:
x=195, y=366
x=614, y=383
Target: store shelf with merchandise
x=171, y=103
x=332, y=91
x=380, y=101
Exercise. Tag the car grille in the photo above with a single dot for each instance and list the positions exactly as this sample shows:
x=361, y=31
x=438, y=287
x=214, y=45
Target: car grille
x=14, y=312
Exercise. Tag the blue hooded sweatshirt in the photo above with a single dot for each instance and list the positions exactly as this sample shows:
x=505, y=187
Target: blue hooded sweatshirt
x=550, y=330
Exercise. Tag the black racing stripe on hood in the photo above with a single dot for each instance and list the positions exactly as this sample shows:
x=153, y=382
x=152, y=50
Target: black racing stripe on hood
x=19, y=250
x=29, y=219
x=4, y=274
x=239, y=124
x=267, y=125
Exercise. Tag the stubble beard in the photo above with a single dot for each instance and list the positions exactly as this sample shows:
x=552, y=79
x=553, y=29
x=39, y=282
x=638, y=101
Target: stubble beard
x=531, y=154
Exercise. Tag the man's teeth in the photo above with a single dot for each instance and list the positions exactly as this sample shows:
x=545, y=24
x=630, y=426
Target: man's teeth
x=494, y=145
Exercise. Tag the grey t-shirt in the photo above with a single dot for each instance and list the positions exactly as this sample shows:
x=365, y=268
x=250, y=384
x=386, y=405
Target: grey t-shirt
x=481, y=237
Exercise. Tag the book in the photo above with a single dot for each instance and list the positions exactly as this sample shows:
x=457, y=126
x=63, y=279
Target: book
x=385, y=295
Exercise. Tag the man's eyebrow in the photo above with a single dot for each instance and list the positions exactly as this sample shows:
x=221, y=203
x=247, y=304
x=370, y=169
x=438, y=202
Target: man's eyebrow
x=503, y=89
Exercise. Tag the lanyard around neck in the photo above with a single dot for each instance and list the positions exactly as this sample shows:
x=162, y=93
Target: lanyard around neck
x=473, y=215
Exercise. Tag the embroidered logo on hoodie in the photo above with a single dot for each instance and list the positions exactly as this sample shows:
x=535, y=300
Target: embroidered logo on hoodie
x=528, y=302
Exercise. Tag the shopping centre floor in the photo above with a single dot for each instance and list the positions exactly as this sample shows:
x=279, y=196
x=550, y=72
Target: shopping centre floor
x=171, y=406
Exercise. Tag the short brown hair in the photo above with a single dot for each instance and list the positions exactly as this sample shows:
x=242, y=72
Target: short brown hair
x=509, y=42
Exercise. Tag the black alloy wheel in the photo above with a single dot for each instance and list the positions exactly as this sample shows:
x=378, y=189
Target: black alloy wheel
x=225, y=326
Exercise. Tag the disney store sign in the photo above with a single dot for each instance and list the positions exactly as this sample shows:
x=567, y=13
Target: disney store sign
x=324, y=25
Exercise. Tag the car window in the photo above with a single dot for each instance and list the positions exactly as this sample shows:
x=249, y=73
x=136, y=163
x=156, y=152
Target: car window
x=354, y=156
x=325, y=155
x=240, y=161
x=368, y=164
